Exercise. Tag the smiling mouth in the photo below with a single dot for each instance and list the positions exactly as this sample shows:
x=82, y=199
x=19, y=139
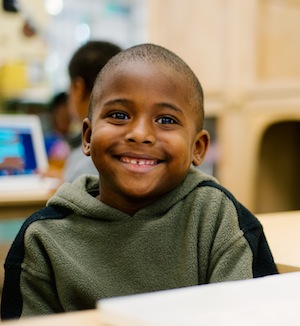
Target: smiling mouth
x=139, y=161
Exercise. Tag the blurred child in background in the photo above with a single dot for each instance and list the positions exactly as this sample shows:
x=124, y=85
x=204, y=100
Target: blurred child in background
x=57, y=138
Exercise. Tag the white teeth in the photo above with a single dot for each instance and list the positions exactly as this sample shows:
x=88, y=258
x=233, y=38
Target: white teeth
x=135, y=161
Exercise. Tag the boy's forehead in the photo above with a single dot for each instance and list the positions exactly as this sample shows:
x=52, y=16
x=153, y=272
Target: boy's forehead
x=142, y=69
x=148, y=76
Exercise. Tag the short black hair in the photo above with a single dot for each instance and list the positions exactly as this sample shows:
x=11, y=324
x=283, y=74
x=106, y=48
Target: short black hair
x=57, y=100
x=89, y=59
x=157, y=54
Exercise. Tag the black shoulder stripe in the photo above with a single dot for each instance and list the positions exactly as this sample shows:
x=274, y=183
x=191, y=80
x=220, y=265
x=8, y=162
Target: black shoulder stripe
x=263, y=262
x=246, y=219
x=11, y=303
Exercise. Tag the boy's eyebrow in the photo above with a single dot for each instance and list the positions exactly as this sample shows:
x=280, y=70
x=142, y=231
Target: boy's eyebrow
x=125, y=101
x=117, y=101
x=170, y=106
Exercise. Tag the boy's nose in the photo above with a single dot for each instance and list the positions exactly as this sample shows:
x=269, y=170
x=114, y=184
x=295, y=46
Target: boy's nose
x=141, y=131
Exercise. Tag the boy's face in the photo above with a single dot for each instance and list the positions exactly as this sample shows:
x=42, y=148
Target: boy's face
x=142, y=137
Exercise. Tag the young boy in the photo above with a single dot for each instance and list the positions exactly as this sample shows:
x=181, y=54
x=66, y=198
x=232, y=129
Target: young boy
x=150, y=221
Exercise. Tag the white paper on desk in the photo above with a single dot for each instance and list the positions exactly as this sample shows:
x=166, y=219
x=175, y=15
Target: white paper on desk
x=272, y=300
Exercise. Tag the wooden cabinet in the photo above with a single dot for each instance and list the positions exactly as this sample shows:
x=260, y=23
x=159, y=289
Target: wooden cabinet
x=246, y=55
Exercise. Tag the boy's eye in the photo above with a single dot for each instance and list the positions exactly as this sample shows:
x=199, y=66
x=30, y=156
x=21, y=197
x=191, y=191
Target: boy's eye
x=166, y=120
x=119, y=116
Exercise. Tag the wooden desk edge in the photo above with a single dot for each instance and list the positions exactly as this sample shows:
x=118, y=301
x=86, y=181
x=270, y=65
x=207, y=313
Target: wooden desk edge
x=286, y=268
x=25, y=198
x=266, y=216
x=84, y=317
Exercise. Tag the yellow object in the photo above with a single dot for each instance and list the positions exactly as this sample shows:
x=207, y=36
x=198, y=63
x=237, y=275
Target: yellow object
x=13, y=79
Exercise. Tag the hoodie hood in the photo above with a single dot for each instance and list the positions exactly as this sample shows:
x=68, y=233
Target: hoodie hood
x=79, y=197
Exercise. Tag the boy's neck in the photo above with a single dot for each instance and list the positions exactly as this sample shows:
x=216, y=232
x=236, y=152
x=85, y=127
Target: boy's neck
x=130, y=206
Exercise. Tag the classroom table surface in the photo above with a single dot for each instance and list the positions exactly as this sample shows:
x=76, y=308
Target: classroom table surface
x=282, y=230
x=25, y=197
x=21, y=204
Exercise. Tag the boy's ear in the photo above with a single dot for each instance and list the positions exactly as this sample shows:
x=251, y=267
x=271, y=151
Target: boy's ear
x=86, y=136
x=201, y=145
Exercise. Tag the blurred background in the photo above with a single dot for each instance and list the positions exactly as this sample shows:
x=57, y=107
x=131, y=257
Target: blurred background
x=245, y=54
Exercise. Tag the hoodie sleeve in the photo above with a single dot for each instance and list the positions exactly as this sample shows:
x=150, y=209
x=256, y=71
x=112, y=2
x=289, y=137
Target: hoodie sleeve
x=13, y=297
x=251, y=236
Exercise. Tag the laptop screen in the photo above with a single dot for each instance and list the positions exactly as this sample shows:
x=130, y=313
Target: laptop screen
x=22, y=150
x=16, y=151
